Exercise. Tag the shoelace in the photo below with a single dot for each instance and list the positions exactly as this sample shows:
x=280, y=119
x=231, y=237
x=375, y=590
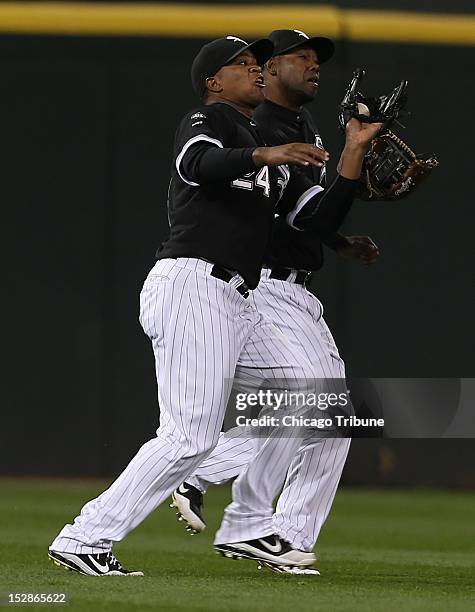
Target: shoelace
x=113, y=561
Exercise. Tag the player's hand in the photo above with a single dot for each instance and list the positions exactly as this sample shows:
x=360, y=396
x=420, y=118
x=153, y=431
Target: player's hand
x=294, y=153
x=359, y=135
x=360, y=248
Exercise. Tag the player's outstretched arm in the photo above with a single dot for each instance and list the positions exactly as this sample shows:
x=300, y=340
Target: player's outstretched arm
x=358, y=140
x=204, y=161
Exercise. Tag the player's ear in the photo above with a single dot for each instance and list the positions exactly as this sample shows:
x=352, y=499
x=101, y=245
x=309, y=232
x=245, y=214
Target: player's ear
x=271, y=66
x=213, y=84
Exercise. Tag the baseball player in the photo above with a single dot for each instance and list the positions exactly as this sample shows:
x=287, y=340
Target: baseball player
x=291, y=79
x=195, y=308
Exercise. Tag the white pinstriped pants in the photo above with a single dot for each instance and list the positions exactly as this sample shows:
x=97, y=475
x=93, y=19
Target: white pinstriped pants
x=313, y=477
x=203, y=333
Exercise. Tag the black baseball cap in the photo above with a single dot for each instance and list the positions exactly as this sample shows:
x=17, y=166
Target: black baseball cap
x=286, y=40
x=217, y=53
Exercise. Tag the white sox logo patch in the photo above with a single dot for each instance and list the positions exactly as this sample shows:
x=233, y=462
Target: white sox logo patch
x=196, y=119
x=300, y=33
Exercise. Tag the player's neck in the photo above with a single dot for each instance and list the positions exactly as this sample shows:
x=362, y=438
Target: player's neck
x=282, y=99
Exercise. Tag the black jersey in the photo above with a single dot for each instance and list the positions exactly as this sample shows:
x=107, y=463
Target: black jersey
x=290, y=248
x=220, y=205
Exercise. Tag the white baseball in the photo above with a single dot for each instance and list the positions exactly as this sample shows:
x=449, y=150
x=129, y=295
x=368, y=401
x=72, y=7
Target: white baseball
x=363, y=109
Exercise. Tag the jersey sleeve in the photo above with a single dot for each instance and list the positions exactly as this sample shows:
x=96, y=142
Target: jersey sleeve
x=201, y=154
x=298, y=191
x=311, y=207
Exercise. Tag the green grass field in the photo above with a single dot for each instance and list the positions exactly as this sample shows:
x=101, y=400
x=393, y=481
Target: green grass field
x=380, y=550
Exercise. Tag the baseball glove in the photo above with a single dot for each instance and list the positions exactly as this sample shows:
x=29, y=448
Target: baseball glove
x=385, y=109
x=391, y=170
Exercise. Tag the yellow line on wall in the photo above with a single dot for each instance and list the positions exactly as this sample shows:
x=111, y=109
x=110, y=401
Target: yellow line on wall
x=212, y=20
x=398, y=26
x=192, y=20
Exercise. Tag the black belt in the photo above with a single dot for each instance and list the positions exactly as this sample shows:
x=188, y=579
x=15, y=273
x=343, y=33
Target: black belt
x=302, y=277
x=226, y=276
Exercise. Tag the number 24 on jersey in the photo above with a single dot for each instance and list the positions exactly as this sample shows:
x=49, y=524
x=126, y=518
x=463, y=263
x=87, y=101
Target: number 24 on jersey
x=261, y=180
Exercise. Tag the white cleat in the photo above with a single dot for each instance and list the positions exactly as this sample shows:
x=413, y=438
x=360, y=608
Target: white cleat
x=100, y=564
x=189, y=503
x=273, y=553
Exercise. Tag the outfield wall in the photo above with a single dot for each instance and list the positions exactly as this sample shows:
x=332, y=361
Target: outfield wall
x=87, y=129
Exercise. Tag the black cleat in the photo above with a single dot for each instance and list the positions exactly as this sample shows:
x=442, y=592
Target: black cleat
x=189, y=503
x=102, y=564
x=271, y=552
